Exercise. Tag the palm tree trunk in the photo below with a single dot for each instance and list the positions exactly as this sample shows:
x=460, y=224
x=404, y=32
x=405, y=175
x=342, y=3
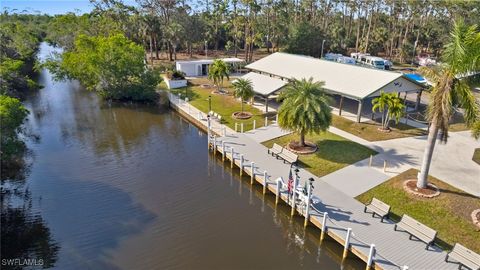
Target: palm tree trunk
x=427, y=156
x=302, y=139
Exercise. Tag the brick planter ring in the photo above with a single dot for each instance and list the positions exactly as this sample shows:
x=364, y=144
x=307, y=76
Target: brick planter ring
x=431, y=187
x=476, y=217
x=310, y=149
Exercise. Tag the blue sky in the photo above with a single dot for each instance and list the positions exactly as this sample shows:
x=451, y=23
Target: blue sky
x=50, y=6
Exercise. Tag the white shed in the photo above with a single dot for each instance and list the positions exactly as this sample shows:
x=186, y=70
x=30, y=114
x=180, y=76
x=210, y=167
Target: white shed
x=195, y=68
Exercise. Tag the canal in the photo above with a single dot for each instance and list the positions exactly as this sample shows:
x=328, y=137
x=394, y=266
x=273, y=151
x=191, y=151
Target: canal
x=124, y=186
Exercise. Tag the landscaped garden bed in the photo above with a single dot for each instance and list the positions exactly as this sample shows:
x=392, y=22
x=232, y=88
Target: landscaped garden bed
x=333, y=153
x=450, y=213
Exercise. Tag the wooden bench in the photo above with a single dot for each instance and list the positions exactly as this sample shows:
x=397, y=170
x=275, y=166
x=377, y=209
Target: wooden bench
x=417, y=229
x=378, y=208
x=288, y=156
x=275, y=150
x=464, y=256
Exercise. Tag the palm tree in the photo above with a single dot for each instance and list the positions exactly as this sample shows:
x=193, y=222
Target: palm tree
x=305, y=108
x=217, y=71
x=243, y=89
x=380, y=103
x=391, y=107
x=461, y=56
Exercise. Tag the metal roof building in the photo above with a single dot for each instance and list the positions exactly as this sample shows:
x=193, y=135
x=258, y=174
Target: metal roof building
x=354, y=82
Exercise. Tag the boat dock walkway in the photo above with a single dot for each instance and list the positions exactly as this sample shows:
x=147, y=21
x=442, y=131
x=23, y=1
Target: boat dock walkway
x=393, y=249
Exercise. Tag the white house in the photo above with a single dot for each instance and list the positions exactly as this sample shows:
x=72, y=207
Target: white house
x=193, y=68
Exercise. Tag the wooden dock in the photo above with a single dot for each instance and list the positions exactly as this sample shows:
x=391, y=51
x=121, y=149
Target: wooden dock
x=391, y=249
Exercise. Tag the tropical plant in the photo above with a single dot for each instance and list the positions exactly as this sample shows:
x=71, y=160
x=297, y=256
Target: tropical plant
x=305, y=108
x=217, y=71
x=390, y=106
x=460, y=58
x=243, y=89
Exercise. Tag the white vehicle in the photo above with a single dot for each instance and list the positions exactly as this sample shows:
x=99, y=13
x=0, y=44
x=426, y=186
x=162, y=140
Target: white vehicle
x=388, y=64
x=426, y=61
x=346, y=60
x=332, y=56
x=359, y=57
x=375, y=62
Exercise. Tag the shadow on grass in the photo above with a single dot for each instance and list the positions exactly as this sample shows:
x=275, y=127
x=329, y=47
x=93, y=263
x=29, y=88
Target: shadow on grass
x=342, y=151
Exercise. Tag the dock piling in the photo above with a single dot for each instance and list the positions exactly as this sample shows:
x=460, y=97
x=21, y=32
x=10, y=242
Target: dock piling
x=265, y=182
x=307, y=207
x=241, y=164
x=279, y=184
x=324, y=226
x=347, y=242
x=252, y=176
x=231, y=155
x=370, y=161
x=223, y=151
x=214, y=145
x=371, y=253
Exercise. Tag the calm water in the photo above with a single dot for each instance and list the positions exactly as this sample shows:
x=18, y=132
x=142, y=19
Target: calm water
x=131, y=187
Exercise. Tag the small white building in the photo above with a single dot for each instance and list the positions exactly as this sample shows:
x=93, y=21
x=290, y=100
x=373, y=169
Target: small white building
x=193, y=68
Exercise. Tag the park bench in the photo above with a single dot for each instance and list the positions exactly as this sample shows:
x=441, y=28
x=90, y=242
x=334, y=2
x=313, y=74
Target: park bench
x=464, y=256
x=275, y=150
x=378, y=208
x=288, y=156
x=417, y=230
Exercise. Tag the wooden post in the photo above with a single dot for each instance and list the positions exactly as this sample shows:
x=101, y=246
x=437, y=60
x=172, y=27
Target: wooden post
x=223, y=151
x=294, y=196
x=241, y=128
x=307, y=207
x=241, y=164
x=324, y=226
x=370, y=161
x=252, y=176
x=340, y=107
x=279, y=185
x=265, y=183
x=236, y=127
x=347, y=242
x=254, y=124
x=371, y=253
x=231, y=160
x=384, y=165
x=214, y=145
x=266, y=121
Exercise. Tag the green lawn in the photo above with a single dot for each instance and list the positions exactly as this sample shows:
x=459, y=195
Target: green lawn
x=449, y=213
x=225, y=105
x=334, y=152
x=369, y=130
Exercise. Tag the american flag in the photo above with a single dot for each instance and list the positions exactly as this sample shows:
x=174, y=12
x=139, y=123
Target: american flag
x=290, y=182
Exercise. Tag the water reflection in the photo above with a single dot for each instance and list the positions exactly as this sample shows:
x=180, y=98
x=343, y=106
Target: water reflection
x=24, y=233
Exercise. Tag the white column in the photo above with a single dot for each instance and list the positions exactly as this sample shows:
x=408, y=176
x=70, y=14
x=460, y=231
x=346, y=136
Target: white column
x=347, y=242
x=324, y=225
x=252, y=176
x=279, y=186
x=232, y=159
x=265, y=181
x=307, y=207
x=241, y=128
x=294, y=196
x=241, y=164
x=254, y=124
x=266, y=121
x=371, y=254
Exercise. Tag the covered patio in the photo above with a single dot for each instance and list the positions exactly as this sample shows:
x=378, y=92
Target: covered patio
x=264, y=86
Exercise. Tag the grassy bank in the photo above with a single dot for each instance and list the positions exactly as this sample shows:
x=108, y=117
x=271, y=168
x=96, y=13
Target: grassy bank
x=449, y=213
x=225, y=105
x=369, y=130
x=334, y=152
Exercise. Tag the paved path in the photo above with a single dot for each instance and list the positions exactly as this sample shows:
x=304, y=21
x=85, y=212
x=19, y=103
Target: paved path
x=451, y=162
x=394, y=249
